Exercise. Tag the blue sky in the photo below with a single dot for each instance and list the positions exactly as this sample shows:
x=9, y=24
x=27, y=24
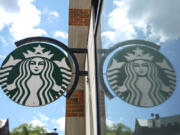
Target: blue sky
x=121, y=20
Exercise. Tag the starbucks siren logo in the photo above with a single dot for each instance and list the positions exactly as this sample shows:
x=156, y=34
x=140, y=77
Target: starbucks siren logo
x=141, y=76
x=35, y=74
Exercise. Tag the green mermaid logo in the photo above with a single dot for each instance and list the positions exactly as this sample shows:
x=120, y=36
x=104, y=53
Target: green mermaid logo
x=35, y=74
x=141, y=76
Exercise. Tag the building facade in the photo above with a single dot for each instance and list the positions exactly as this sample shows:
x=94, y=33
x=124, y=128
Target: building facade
x=4, y=127
x=51, y=133
x=158, y=126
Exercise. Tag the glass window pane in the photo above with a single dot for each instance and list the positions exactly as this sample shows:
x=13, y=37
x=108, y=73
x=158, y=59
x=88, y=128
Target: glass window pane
x=156, y=22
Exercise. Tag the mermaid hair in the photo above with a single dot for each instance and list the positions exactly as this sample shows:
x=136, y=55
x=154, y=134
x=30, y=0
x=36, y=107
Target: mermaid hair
x=43, y=94
x=135, y=94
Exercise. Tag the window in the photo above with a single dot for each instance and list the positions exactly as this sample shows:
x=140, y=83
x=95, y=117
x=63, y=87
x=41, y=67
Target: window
x=155, y=22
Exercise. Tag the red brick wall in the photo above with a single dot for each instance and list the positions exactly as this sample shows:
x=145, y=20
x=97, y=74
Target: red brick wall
x=102, y=103
x=75, y=104
x=79, y=17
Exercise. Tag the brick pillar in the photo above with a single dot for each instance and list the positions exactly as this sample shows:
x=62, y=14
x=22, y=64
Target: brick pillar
x=75, y=105
x=102, y=103
x=79, y=17
x=102, y=112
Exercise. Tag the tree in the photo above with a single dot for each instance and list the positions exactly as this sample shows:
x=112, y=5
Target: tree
x=118, y=129
x=25, y=129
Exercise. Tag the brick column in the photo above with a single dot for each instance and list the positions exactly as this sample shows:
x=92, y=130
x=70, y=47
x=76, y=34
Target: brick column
x=75, y=105
x=102, y=112
x=79, y=17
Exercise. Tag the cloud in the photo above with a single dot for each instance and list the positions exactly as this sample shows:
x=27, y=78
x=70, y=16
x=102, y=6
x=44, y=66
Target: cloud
x=61, y=34
x=48, y=122
x=161, y=17
x=54, y=13
x=156, y=20
x=9, y=5
x=121, y=28
x=43, y=117
x=49, y=15
x=2, y=57
x=109, y=122
x=36, y=122
x=24, y=23
x=6, y=18
x=60, y=122
x=3, y=41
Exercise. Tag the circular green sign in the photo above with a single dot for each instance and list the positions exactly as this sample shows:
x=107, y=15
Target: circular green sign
x=35, y=74
x=141, y=76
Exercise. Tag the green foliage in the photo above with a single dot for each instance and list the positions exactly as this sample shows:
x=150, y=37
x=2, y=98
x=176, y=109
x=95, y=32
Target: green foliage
x=25, y=129
x=118, y=129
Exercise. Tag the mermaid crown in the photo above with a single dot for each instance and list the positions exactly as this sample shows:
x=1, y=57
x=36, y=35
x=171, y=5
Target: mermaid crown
x=138, y=54
x=38, y=53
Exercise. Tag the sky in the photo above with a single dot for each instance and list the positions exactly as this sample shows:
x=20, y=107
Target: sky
x=156, y=20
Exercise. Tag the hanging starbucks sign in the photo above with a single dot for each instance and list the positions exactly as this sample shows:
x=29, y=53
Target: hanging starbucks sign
x=36, y=73
x=140, y=75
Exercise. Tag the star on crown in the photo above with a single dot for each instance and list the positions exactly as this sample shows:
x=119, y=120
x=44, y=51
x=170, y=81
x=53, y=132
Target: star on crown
x=138, y=54
x=38, y=53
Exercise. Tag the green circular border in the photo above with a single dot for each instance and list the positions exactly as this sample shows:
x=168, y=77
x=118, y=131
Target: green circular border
x=58, y=55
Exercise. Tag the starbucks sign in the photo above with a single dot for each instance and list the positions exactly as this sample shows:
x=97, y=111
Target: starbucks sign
x=140, y=75
x=35, y=74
